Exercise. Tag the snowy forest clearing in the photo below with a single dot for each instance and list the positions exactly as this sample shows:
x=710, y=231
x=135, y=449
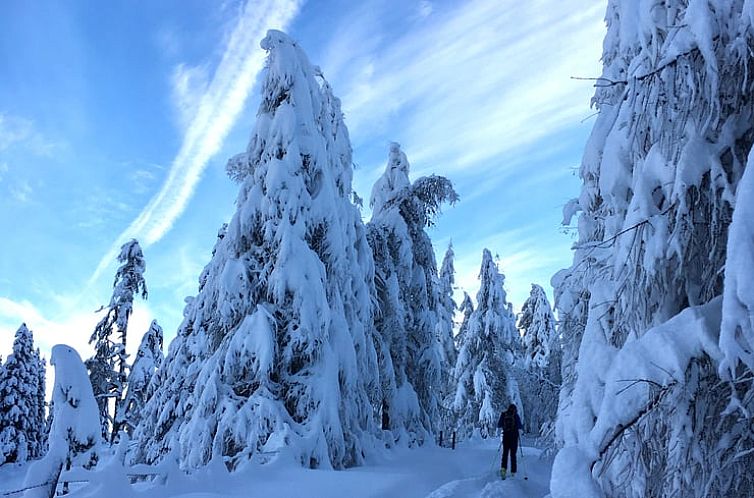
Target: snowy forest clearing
x=470, y=470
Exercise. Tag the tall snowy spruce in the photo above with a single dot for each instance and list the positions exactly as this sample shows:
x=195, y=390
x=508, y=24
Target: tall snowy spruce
x=148, y=359
x=489, y=349
x=107, y=368
x=22, y=401
x=647, y=408
x=409, y=298
x=538, y=325
x=447, y=311
x=275, y=355
x=540, y=373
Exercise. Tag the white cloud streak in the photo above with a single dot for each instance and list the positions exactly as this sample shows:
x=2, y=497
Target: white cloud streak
x=217, y=111
x=469, y=84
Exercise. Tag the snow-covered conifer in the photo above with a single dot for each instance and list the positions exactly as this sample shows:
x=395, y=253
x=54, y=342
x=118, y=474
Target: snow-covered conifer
x=275, y=354
x=409, y=298
x=539, y=376
x=537, y=323
x=21, y=428
x=107, y=368
x=642, y=299
x=148, y=359
x=447, y=310
x=489, y=348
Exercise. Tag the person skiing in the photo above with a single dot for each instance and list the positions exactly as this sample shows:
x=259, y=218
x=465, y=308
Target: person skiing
x=510, y=423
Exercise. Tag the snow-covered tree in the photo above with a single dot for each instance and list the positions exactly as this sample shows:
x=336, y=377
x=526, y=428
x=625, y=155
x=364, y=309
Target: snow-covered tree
x=537, y=323
x=444, y=331
x=410, y=301
x=489, y=349
x=539, y=376
x=107, y=368
x=447, y=311
x=148, y=359
x=643, y=409
x=22, y=420
x=275, y=353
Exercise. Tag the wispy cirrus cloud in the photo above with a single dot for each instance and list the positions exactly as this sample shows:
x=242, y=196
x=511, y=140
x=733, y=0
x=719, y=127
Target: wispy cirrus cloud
x=17, y=131
x=220, y=101
x=472, y=82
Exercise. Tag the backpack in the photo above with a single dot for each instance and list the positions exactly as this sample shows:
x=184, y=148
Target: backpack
x=509, y=422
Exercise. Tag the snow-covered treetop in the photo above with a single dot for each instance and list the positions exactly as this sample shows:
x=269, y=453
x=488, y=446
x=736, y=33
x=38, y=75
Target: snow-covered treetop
x=491, y=280
x=447, y=269
x=492, y=297
x=393, y=183
x=418, y=203
x=129, y=280
x=23, y=344
x=287, y=107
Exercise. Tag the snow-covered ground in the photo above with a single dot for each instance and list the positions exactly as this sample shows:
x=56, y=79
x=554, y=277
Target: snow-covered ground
x=470, y=470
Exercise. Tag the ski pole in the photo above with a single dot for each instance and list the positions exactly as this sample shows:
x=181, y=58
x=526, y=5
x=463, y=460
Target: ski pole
x=523, y=468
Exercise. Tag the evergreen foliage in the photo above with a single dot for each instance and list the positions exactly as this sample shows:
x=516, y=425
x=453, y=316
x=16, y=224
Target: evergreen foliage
x=409, y=298
x=22, y=401
x=275, y=356
x=107, y=368
x=488, y=353
x=447, y=312
x=645, y=295
x=148, y=359
x=539, y=376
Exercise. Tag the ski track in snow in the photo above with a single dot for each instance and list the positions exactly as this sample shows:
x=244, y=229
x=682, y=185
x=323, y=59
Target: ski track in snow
x=532, y=480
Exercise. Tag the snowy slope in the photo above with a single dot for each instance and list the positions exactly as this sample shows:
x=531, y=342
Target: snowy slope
x=470, y=470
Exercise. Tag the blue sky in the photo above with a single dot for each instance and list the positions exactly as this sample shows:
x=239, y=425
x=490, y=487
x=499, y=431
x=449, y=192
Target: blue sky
x=116, y=121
